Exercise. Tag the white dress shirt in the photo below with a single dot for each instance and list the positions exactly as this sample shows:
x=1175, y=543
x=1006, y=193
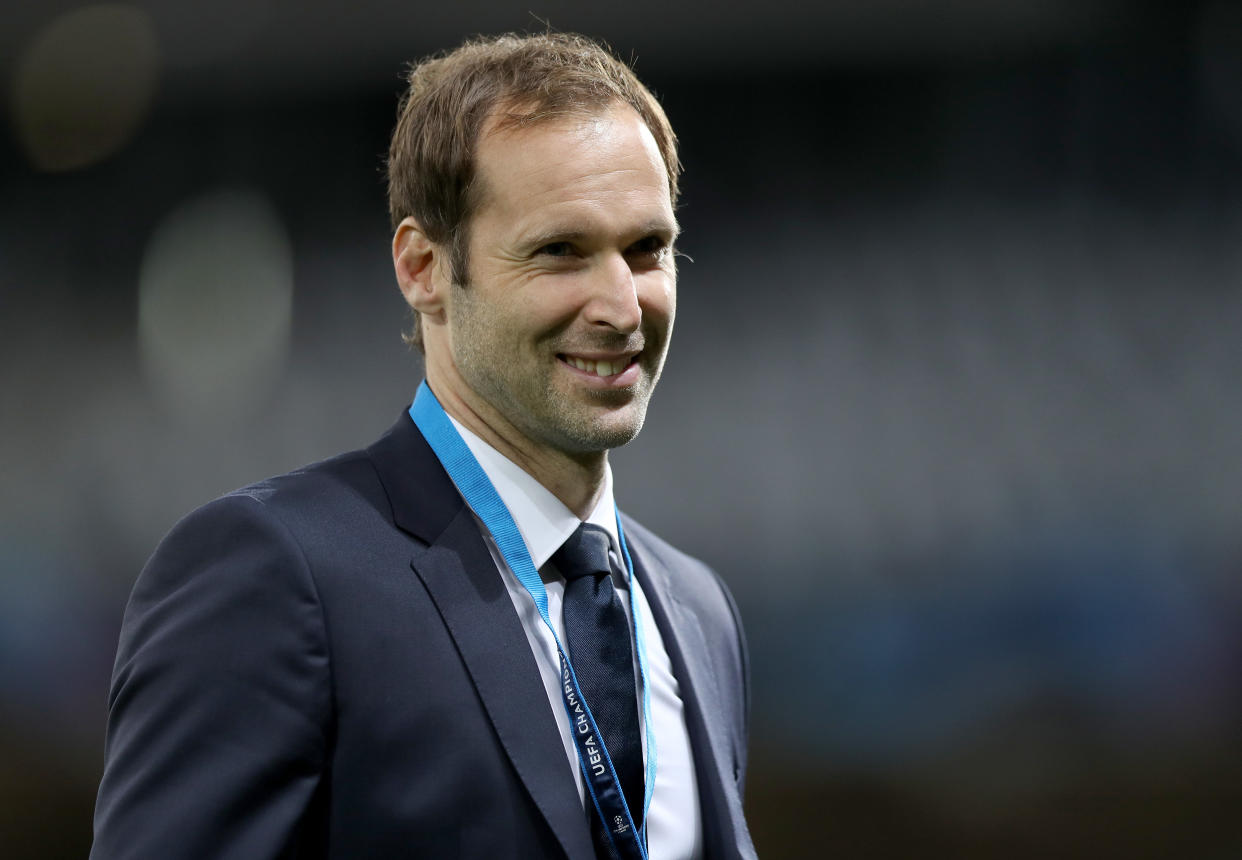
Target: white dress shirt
x=674, y=828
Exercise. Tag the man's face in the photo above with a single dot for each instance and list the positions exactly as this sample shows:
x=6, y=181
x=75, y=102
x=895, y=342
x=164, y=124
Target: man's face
x=564, y=320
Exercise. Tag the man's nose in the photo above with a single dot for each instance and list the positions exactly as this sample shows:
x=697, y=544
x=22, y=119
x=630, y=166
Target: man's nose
x=614, y=296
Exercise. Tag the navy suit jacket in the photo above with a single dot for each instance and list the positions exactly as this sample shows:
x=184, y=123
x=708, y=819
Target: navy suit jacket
x=327, y=664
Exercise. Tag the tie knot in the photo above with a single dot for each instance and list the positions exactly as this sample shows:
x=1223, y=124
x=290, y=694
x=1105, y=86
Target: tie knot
x=585, y=553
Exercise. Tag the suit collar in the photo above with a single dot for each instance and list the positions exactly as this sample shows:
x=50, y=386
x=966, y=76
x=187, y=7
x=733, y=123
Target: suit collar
x=459, y=574
x=421, y=494
x=462, y=579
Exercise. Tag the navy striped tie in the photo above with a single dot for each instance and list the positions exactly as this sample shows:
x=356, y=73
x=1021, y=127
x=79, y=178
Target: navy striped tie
x=597, y=634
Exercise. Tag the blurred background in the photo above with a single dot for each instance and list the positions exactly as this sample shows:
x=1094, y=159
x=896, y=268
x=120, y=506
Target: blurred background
x=953, y=403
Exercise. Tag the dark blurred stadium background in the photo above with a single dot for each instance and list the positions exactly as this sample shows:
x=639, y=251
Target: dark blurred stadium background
x=953, y=403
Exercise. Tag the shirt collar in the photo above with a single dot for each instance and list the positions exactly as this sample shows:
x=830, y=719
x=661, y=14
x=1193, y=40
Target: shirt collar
x=543, y=520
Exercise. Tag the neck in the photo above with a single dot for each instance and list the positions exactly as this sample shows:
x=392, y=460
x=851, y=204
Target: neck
x=576, y=479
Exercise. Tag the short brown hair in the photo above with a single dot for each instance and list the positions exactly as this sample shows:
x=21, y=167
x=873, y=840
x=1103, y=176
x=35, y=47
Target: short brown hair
x=534, y=79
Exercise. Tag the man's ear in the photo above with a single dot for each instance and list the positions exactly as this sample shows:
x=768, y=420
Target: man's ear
x=420, y=265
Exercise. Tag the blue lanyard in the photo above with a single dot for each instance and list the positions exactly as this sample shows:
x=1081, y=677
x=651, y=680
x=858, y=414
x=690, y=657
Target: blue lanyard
x=601, y=779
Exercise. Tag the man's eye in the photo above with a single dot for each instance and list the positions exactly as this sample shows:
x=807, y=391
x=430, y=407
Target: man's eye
x=651, y=247
x=557, y=249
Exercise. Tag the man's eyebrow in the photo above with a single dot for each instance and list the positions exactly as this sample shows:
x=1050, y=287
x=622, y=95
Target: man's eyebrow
x=553, y=235
x=671, y=229
x=660, y=226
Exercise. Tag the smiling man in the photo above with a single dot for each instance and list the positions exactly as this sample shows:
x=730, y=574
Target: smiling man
x=450, y=644
x=552, y=346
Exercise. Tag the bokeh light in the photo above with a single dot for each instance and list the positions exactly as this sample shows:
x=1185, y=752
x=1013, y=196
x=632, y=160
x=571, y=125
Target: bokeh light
x=215, y=304
x=84, y=85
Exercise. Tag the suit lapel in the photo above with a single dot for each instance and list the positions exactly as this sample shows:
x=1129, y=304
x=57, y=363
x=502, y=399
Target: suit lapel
x=724, y=824
x=461, y=577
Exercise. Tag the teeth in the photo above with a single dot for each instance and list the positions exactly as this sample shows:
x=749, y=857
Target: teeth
x=596, y=368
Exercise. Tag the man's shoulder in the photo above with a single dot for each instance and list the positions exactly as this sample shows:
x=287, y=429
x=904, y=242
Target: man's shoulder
x=688, y=580
x=308, y=493
x=285, y=510
x=314, y=486
x=327, y=493
x=638, y=535
x=337, y=509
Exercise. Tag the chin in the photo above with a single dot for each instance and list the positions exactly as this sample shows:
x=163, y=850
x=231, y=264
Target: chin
x=601, y=434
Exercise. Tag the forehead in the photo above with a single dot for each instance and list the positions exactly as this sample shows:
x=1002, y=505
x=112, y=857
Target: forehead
x=594, y=160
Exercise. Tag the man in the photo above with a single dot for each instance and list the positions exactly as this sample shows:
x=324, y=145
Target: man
x=448, y=644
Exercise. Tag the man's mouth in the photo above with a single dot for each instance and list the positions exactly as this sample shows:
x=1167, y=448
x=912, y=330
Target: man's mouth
x=599, y=367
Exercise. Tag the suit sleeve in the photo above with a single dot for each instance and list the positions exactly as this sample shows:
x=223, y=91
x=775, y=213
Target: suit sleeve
x=219, y=711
